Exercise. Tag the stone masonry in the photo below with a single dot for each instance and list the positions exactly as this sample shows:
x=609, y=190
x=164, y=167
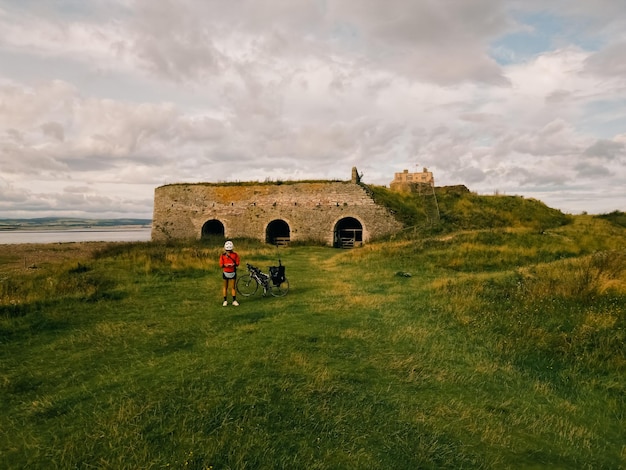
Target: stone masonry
x=321, y=211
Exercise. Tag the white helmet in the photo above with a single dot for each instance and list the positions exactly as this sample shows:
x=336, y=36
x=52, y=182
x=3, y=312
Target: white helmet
x=228, y=246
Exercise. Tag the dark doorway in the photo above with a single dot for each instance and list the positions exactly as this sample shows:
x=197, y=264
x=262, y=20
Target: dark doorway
x=213, y=229
x=348, y=233
x=278, y=232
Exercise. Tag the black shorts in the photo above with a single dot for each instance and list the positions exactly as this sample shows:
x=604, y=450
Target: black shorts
x=228, y=278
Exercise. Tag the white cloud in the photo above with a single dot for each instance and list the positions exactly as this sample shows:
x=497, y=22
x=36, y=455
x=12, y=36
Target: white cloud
x=112, y=98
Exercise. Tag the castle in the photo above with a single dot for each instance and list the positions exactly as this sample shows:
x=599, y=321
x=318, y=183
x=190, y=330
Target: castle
x=336, y=213
x=406, y=181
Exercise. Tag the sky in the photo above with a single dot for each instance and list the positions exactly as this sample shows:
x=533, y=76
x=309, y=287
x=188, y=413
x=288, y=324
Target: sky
x=102, y=101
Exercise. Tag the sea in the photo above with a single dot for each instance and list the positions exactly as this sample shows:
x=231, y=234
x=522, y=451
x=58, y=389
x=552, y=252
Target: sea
x=96, y=234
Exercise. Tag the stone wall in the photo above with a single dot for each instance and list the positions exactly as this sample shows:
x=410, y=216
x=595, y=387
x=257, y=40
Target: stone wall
x=312, y=210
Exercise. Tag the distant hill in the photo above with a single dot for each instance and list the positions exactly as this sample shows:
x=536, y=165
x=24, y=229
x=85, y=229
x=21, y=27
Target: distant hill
x=42, y=223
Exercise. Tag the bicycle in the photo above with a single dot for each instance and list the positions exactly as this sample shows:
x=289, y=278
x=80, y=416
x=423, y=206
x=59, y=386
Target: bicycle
x=275, y=283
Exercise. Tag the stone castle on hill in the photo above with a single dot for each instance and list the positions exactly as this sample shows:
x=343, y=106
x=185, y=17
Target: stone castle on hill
x=336, y=213
x=406, y=181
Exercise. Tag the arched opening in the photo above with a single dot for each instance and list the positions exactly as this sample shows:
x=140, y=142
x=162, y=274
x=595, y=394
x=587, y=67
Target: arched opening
x=213, y=229
x=278, y=232
x=348, y=233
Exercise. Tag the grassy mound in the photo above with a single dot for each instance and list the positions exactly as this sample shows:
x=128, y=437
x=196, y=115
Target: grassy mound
x=459, y=209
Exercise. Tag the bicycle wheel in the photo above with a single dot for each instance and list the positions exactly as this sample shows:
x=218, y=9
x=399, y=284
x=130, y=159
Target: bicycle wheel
x=247, y=285
x=280, y=290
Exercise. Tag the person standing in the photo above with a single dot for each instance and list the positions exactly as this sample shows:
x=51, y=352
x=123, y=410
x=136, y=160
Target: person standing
x=229, y=261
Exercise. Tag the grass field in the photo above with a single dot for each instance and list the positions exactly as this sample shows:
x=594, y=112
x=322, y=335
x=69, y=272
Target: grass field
x=490, y=349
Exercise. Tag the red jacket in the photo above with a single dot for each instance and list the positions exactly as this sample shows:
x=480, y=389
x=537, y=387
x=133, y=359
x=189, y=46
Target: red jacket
x=229, y=261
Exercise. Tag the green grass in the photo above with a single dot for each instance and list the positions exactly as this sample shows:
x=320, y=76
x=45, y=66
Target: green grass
x=504, y=348
x=461, y=210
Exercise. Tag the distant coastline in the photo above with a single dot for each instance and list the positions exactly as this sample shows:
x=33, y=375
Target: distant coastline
x=69, y=223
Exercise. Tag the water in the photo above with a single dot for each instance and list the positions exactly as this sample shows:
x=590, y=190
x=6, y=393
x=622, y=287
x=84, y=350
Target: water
x=100, y=234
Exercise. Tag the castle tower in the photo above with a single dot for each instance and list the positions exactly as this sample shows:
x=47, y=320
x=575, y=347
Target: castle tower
x=406, y=181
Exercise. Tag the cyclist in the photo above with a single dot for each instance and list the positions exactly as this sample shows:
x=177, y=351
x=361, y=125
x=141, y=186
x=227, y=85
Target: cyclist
x=229, y=260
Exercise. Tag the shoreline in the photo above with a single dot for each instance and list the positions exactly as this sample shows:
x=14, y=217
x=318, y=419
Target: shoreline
x=61, y=227
x=32, y=235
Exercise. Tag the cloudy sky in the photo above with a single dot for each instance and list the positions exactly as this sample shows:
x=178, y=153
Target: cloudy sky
x=102, y=101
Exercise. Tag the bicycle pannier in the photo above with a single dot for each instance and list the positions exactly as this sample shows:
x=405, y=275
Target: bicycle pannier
x=277, y=274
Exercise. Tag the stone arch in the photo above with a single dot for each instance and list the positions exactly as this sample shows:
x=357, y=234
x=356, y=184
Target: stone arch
x=348, y=232
x=277, y=232
x=213, y=229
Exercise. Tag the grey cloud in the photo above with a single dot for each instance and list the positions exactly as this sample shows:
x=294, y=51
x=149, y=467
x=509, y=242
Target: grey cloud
x=517, y=173
x=199, y=40
x=367, y=137
x=22, y=202
x=587, y=170
x=175, y=39
x=186, y=57
x=608, y=62
x=54, y=130
x=441, y=43
x=480, y=117
x=303, y=89
x=22, y=158
x=554, y=139
x=544, y=177
x=200, y=129
x=559, y=96
x=100, y=135
x=306, y=16
x=606, y=149
x=22, y=107
x=449, y=65
x=76, y=189
x=14, y=135
x=88, y=163
x=9, y=194
x=470, y=175
x=415, y=23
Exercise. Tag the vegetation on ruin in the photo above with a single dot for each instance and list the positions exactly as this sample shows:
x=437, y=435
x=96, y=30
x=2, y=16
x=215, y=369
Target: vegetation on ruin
x=487, y=347
x=459, y=209
x=267, y=182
